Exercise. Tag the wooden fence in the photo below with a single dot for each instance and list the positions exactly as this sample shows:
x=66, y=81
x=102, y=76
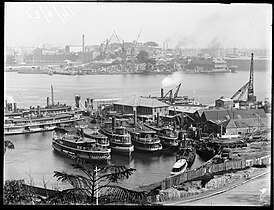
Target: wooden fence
x=213, y=168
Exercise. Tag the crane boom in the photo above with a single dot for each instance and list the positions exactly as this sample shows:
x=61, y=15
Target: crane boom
x=177, y=91
x=241, y=91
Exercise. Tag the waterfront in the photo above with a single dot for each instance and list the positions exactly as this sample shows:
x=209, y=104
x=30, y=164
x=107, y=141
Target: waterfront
x=33, y=155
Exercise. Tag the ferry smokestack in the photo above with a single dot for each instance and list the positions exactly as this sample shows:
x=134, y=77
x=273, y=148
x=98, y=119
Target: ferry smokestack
x=134, y=116
x=14, y=107
x=52, y=95
x=158, y=119
x=113, y=122
x=162, y=92
x=38, y=111
x=47, y=102
x=77, y=100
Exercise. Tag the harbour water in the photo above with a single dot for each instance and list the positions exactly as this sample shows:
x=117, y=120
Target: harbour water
x=33, y=157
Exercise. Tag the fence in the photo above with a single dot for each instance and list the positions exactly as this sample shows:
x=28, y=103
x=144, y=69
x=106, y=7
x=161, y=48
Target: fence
x=214, y=168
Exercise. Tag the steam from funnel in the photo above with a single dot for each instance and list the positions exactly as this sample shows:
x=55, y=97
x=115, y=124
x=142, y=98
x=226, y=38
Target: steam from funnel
x=173, y=79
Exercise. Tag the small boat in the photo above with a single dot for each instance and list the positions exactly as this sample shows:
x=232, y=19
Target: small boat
x=119, y=137
x=74, y=146
x=179, y=167
x=167, y=135
x=143, y=138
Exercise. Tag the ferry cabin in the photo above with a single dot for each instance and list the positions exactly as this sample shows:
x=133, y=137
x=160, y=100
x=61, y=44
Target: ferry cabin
x=179, y=167
x=119, y=137
x=144, y=139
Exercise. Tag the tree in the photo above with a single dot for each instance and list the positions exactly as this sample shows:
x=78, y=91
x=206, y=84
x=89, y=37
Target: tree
x=142, y=57
x=151, y=43
x=14, y=192
x=97, y=184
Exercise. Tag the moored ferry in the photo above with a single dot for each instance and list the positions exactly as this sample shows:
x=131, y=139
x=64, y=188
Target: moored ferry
x=24, y=125
x=77, y=146
x=167, y=136
x=144, y=139
x=119, y=137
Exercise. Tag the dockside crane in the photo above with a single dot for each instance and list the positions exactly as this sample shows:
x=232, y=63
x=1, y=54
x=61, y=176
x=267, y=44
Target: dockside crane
x=123, y=53
x=171, y=98
x=250, y=92
x=132, y=52
x=249, y=86
x=240, y=92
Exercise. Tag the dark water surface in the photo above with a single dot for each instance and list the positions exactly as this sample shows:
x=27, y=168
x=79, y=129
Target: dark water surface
x=33, y=157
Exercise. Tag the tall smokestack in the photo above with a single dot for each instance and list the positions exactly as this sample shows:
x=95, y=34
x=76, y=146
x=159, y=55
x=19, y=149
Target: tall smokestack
x=52, y=95
x=83, y=43
x=162, y=92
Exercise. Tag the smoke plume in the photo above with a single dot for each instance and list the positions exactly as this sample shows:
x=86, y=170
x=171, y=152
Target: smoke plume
x=173, y=79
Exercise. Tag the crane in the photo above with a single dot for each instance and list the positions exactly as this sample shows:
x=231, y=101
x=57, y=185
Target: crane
x=247, y=87
x=172, y=98
x=132, y=52
x=177, y=91
x=241, y=91
x=123, y=51
x=250, y=91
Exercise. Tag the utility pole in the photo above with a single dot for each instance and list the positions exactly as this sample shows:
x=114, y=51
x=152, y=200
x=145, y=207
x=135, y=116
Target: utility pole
x=97, y=192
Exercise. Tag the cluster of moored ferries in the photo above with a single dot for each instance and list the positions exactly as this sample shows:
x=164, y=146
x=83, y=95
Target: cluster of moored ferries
x=80, y=135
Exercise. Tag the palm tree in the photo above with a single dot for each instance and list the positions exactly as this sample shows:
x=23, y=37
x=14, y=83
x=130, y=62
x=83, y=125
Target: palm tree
x=97, y=184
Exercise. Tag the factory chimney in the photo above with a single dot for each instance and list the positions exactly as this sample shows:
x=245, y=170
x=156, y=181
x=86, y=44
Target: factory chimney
x=47, y=102
x=83, y=42
x=52, y=95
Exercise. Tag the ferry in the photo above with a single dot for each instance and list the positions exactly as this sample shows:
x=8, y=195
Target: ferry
x=24, y=125
x=144, y=139
x=119, y=137
x=179, y=167
x=77, y=146
x=167, y=136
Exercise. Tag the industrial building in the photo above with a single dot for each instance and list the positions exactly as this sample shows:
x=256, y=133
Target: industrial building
x=144, y=107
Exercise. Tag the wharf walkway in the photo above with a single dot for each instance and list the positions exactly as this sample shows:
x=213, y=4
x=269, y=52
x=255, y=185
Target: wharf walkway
x=254, y=191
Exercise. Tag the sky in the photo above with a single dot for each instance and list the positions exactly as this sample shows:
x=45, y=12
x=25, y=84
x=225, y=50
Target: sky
x=184, y=25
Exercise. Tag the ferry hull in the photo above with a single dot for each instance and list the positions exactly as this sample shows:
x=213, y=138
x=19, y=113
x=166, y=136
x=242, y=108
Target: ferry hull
x=75, y=154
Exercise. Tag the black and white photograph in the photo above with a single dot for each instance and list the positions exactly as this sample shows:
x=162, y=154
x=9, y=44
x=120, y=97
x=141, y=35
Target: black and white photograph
x=137, y=104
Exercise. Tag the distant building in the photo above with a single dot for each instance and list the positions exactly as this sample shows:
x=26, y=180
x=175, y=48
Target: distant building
x=226, y=103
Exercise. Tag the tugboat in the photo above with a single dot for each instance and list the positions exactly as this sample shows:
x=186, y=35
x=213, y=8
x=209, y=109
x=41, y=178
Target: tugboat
x=143, y=138
x=205, y=149
x=186, y=150
x=119, y=137
x=67, y=142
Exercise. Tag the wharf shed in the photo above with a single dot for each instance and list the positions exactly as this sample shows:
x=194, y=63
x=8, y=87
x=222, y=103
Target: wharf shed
x=144, y=106
x=213, y=121
x=249, y=125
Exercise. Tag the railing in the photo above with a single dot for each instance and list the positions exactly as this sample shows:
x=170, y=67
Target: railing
x=213, y=168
